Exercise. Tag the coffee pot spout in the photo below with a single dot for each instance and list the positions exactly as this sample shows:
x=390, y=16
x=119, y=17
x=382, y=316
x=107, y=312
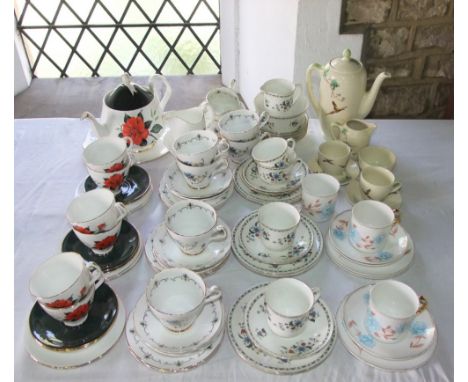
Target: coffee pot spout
x=99, y=129
x=369, y=97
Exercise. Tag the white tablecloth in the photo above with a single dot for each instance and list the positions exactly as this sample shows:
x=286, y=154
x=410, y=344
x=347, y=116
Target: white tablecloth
x=48, y=169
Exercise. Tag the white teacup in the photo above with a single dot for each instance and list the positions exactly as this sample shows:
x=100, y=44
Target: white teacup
x=199, y=147
x=392, y=308
x=274, y=153
x=240, y=150
x=63, y=281
x=176, y=296
x=319, y=194
x=279, y=94
x=242, y=125
x=100, y=243
x=371, y=223
x=376, y=156
x=289, y=174
x=95, y=211
x=223, y=100
x=200, y=176
x=288, y=303
x=108, y=154
x=278, y=222
x=378, y=182
x=111, y=180
x=333, y=157
x=193, y=225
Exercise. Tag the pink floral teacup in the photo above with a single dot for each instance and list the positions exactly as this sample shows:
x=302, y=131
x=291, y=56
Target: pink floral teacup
x=319, y=194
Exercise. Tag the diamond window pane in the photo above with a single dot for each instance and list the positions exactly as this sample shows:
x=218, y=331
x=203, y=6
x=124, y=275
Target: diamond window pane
x=141, y=66
x=81, y=7
x=70, y=34
x=134, y=16
x=185, y=7
x=205, y=65
x=155, y=48
x=174, y=67
x=57, y=49
x=77, y=68
x=90, y=49
x=100, y=16
x=66, y=17
x=151, y=7
x=47, y=7
x=103, y=34
x=122, y=48
x=169, y=15
x=116, y=7
x=214, y=5
x=45, y=69
x=31, y=17
x=109, y=68
x=188, y=47
x=203, y=15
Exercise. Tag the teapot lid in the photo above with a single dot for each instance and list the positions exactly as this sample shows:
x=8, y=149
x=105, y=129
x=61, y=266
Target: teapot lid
x=128, y=95
x=346, y=64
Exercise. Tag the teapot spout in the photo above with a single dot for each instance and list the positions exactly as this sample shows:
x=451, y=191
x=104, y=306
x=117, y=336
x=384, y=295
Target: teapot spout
x=99, y=129
x=369, y=97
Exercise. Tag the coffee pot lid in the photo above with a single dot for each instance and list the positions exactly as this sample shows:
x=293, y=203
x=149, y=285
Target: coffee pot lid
x=128, y=95
x=346, y=64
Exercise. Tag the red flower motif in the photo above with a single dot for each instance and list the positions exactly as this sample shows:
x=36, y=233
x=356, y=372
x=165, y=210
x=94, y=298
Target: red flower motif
x=77, y=313
x=134, y=127
x=101, y=227
x=83, y=230
x=105, y=243
x=114, y=181
x=60, y=303
x=115, y=167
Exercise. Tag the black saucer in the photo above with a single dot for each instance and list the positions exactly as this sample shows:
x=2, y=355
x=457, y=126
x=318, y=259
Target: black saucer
x=135, y=185
x=57, y=335
x=124, y=249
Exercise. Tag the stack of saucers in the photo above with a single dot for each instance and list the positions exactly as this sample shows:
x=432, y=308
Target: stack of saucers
x=265, y=334
x=177, y=324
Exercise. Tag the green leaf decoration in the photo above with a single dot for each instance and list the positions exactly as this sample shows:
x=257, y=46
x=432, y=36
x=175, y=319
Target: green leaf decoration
x=147, y=124
x=156, y=128
x=140, y=115
x=126, y=117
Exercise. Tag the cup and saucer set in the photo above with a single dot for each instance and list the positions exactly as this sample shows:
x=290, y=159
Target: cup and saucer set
x=273, y=172
x=77, y=317
x=283, y=327
x=277, y=241
x=101, y=234
x=367, y=242
x=388, y=326
x=286, y=105
x=178, y=324
x=192, y=236
x=200, y=172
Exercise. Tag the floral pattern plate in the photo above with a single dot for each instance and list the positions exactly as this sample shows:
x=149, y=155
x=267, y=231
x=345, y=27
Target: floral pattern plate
x=203, y=331
x=255, y=264
x=177, y=184
x=166, y=363
x=368, y=271
x=257, y=184
x=314, y=338
x=256, y=357
x=251, y=240
x=397, y=246
x=355, y=194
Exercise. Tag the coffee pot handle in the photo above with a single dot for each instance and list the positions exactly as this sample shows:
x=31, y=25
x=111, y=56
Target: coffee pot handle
x=167, y=90
x=212, y=294
x=97, y=276
x=310, y=91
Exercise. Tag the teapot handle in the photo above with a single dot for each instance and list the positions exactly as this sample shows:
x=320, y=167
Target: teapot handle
x=310, y=91
x=167, y=91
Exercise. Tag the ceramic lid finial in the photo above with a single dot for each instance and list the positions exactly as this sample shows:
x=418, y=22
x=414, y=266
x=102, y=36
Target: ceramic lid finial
x=347, y=54
x=127, y=81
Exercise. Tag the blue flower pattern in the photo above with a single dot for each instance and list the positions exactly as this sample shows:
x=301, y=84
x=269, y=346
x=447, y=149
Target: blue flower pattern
x=379, y=239
x=328, y=211
x=367, y=340
x=339, y=233
x=418, y=328
x=371, y=323
x=384, y=255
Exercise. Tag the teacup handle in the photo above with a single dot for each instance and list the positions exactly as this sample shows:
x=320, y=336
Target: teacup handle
x=291, y=143
x=97, y=277
x=212, y=294
x=221, y=167
x=122, y=210
x=352, y=168
x=264, y=118
x=295, y=169
x=335, y=130
x=264, y=135
x=316, y=292
x=422, y=305
x=223, y=146
x=219, y=234
x=396, y=187
x=297, y=93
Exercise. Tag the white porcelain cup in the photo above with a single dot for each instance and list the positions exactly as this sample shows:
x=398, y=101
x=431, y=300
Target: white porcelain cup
x=192, y=224
x=378, y=182
x=108, y=154
x=279, y=94
x=282, y=175
x=199, y=147
x=370, y=225
x=278, y=222
x=100, y=243
x=240, y=150
x=198, y=177
x=176, y=296
x=333, y=157
x=95, y=211
x=392, y=308
x=242, y=125
x=111, y=180
x=376, y=156
x=63, y=281
x=319, y=194
x=289, y=303
x=274, y=153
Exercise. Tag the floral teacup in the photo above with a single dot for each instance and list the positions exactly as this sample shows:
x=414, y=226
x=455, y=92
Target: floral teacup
x=319, y=194
x=108, y=154
x=200, y=176
x=111, y=180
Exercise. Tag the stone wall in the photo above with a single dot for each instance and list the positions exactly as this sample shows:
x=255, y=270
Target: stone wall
x=413, y=40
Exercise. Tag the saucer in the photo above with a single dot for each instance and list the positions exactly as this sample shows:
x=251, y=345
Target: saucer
x=398, y=243
x=56, y=335
x=354, y=194
x=165, y=363
x=82, y=355
x=418, y=346
x=317, y=334
x=206, y=328
x=256, y=264
x=315, y=168
x=248, y=193
x=253, y=244
x=125, y=249
x=298, y=107
x=161, y=250
x=367, y=271
x=256, y=357
x=177, y=184
x=255, y=183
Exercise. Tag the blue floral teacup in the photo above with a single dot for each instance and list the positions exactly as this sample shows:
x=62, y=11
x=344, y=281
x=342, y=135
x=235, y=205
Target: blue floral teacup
x=319, y=194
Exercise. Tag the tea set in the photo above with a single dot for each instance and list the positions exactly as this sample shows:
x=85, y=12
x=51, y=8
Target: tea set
x=282, y=327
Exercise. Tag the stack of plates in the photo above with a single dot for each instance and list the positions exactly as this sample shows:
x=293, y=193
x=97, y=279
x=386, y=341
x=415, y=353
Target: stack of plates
x=256, y=344
x=166, y=351
x=248, y=247
x=394, y=259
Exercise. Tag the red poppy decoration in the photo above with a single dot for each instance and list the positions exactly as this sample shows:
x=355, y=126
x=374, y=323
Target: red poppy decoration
x=116, y=167
x=105, y=243
x=101, y=227
x=136, y=128
x=84, y=230
x=60, y=303
x=77, y=313
x=114, y=182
